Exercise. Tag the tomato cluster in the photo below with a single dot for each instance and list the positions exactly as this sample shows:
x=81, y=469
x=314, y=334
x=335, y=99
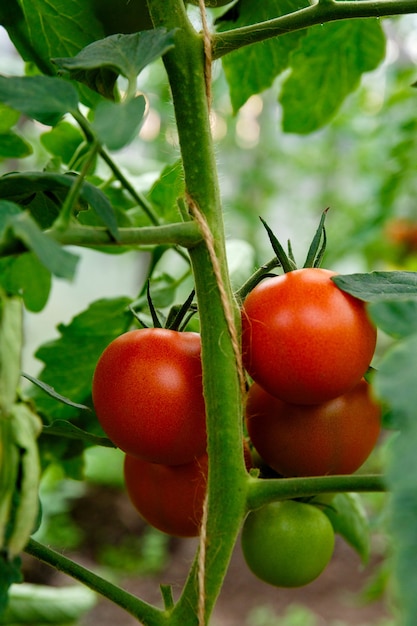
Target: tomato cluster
x=148, y=397
x=307, y=345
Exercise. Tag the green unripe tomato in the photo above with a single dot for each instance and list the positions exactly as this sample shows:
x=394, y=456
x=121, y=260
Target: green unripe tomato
x=287, y=544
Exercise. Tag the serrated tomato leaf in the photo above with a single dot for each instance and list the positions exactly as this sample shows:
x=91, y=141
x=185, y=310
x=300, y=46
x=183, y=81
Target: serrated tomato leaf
x=326, y=67
x=70, y=360
x=252, y=69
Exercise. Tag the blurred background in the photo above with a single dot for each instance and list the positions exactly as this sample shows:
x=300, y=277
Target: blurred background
x=362, y=166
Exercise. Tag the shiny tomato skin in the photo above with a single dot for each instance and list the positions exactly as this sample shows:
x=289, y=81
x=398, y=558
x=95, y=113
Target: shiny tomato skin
x=304, y=340
x=169, y=497
x=148, y=395
x=335, y=437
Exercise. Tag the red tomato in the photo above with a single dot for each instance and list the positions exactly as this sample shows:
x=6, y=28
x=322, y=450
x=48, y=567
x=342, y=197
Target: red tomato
x=314, y=440
x=170, y=498
x=148, y=395
x=305, y=340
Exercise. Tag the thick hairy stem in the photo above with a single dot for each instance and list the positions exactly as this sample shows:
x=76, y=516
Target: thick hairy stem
x=187, y=72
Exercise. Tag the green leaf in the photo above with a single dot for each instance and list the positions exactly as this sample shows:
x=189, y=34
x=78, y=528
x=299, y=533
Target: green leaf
x=26, y=428
x=63, y=140
x=37, y=604
x=349, y=519
x=22, y=187
x=11, y=338
x=26, y=276
x=44, y=98
x=62, y=428
x=165, y=192
x=70, y=360
x=326, y=68
x=379, y=286
x=10, y=573
x=117, y=54
x=53, y=394
x=13, y=147
x=8, y=118
x=253, y=69
x=398, y=319
x=395, y=383
x=58, y=28
x=116, y=125
x=57, y=260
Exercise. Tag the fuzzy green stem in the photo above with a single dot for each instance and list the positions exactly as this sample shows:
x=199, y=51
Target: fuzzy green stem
x=181, y=234
x=320, y=13
x=185, y=65
x=262, y=491
x=64, y=218
x=256, y=278
x=146, y=613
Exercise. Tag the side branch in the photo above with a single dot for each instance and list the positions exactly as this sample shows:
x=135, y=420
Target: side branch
x=262, y=492
x=143, y=611
x=185, y=234
x=320, y=13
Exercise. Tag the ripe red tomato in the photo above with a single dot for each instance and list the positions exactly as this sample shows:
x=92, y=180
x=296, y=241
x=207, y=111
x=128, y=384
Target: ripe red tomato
x=287, y=544
x=335, y=437
x=169, y=497
x=304, y=340
x=148, y=395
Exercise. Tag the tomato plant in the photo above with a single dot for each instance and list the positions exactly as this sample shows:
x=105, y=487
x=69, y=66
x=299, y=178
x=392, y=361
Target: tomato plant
x=90, y=113
x=170, y=498
x=148, y=395
x=335, y=437
x=304, y=340
x=288, y=543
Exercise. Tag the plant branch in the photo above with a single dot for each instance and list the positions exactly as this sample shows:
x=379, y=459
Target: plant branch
x=319, y=13
x=185, y=234
x=146, y=613
x=263, y=491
